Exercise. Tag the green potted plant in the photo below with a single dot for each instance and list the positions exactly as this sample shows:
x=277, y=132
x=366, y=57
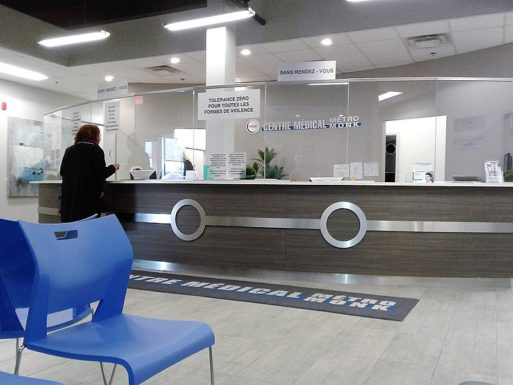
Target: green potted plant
x=263, y=166
x=508, y=176
x=250, y=172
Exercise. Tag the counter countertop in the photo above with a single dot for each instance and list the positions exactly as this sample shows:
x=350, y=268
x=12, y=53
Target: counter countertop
x=289, y=183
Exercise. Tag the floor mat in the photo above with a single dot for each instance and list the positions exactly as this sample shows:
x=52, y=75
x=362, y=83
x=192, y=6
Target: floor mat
x=358, y=304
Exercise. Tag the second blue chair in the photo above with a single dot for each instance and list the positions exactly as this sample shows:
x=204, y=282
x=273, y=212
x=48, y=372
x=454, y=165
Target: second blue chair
x=84, y=262
x=11, y=379
x=16, y=277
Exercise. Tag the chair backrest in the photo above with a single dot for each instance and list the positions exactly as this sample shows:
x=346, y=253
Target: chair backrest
x=77, y=263
x=16, y=279
x=16, y=275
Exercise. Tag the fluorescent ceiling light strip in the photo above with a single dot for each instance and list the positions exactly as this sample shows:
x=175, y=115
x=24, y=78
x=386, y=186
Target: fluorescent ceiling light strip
x=75, y=39
x=21, y=72
x=388, y=95
x=210, y=20
x=328, y=84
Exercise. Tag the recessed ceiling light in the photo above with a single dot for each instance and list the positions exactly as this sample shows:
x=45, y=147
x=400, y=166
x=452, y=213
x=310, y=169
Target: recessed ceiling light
x=109, y=78
x=356, y=1
x=175, y=60
x=245, y=52
x=326, y=42
x=74, y=39
x=21, y=72
x=388, y=95
x=210, y=20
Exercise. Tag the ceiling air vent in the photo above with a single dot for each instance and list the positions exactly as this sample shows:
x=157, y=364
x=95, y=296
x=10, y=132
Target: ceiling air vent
x=163, y=69
x=427, y=41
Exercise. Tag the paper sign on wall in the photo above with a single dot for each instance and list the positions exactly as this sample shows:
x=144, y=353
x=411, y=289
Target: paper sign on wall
x=216, y=105
x=227, y=166
x=76, y=121
x=111, y=116
x=341, y=170
x=356, y=170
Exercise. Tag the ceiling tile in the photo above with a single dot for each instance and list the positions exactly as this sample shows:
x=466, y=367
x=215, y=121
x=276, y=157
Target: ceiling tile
x=508, y=34
x=467, y=41
x=419, y=29
x=267, y=64
x=477, y=22
x=285, y=45
x=372, y=35
x=337, y=38
x=246, y=74
x=508, y=20
x=198, y=55
x=392, y=64
x=348, y=57
x=298, y=56
x=256, y=49
x=355, y=69
x=386, y=52
x=166, y=59
x=194, y=68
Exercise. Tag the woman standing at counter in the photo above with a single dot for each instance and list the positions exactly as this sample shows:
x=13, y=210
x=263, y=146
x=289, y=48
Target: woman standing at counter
x=83, y=172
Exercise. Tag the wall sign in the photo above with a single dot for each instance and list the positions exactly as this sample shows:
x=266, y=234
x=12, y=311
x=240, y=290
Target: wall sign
x=217, y=105
x=112, y=90
x=337, y=122
x=310, y=70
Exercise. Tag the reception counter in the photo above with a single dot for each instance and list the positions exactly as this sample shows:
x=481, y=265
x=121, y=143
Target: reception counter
x=440, y=229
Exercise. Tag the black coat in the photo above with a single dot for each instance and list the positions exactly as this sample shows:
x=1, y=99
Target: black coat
x=83, y=174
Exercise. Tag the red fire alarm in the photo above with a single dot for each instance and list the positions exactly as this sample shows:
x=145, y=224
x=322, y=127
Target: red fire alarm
x=3, y=106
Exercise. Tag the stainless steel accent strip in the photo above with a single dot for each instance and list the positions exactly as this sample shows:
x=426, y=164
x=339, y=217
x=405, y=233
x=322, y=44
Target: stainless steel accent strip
x=441, y=227
x=152, y=218
x=321, y=224
x=48, y=211
x=273, y=223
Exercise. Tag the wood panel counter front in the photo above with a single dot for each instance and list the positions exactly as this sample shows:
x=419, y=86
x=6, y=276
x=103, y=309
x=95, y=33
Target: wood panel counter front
x=412, y=253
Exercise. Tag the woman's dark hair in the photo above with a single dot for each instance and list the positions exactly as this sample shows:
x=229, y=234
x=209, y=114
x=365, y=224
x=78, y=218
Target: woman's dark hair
x=88, y=133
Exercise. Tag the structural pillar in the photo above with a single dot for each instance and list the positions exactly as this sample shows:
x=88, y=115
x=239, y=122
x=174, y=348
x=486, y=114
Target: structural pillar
x=220, y=71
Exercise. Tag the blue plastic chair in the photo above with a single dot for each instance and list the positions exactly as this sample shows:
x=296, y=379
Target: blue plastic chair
x=84, y=262
x=16, y=278
x=11, y=379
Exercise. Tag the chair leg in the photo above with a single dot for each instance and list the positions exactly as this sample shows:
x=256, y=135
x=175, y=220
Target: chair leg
x=211, y=365
x=19, y=352
x=105, y=382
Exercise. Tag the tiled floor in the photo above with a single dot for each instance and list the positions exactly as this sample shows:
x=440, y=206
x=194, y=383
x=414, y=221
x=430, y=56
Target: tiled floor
x=461, y=330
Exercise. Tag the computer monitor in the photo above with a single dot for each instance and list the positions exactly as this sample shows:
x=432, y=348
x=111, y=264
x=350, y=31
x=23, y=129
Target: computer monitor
x=508, y=160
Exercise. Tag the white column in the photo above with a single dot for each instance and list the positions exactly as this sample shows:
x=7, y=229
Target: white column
x=220, y=71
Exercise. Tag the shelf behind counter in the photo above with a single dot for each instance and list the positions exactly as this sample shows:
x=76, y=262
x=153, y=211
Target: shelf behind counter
x=458, y=229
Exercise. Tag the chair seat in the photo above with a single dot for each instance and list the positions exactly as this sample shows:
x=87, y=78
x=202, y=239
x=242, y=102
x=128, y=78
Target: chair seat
x=11, y=379
x=132, y=341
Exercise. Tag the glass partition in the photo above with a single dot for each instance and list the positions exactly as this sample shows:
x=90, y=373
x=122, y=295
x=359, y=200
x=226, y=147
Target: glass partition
x=393, y=130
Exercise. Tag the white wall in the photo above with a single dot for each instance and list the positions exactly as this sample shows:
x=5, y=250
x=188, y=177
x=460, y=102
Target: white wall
x=29, y=103
x=418, y=141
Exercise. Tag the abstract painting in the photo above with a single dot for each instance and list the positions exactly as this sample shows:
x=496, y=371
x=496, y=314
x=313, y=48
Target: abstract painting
x=25, y=161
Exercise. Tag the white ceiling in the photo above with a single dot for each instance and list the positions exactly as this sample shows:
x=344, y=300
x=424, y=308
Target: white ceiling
x=354, y=51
